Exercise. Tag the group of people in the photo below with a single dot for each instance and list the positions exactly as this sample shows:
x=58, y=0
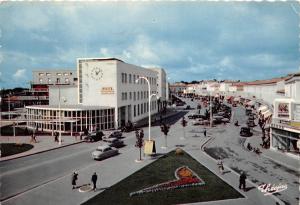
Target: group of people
x=250, y=148
x=93, y=179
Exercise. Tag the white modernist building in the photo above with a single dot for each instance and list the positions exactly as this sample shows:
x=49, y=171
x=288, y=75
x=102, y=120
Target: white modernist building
x=109, y=94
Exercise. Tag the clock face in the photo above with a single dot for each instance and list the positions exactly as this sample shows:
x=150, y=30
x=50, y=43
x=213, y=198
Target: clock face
x=97, y=73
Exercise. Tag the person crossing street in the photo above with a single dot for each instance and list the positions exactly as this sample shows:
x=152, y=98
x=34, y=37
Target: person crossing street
x=94, y=180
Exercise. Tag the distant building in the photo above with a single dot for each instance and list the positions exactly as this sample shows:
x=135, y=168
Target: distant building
x=285, y=127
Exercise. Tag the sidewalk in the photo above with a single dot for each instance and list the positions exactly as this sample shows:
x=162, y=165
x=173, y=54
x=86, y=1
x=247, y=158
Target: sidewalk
x=291, y=162
x=44, y=143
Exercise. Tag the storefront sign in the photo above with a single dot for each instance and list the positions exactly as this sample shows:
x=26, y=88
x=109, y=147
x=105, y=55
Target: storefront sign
x=283, y=110
x=107, y=90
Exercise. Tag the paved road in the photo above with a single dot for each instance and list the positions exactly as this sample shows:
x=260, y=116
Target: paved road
x=26, y=173
x=59, y=164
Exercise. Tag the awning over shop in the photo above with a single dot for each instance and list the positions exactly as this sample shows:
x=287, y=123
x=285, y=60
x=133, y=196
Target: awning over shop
x=267, y=113
x=229, y=97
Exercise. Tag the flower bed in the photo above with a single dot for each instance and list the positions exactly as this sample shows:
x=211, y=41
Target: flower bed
x=185, y=177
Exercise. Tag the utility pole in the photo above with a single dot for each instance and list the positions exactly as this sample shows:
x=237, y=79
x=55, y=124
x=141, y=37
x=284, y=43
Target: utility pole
x=211, y=114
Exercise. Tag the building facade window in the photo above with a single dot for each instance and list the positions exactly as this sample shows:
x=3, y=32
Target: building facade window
x=138, y=109
x=134, y=96
x=138, y=95
x=130, y=78
x=134, y=79
x=130, y=96
x=134, y=110
x=141, y=108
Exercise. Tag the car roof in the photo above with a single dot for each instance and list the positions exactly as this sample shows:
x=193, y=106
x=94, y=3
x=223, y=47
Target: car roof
x=103, y=146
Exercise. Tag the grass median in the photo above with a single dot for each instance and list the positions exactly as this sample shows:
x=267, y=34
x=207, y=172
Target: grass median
x=162, y=170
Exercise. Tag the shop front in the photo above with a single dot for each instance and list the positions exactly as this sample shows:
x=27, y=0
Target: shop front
x=285, y=139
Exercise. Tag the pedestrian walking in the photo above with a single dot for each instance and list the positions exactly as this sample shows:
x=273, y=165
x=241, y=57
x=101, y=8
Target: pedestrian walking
x=94, y=180
x=204, y=132
x=56, y=137
x=220, y=165
x=74, y=179
x=243, y=178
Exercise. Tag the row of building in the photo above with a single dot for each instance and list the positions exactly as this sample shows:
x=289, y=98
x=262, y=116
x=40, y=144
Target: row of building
x=277, y=98
x=103, y=93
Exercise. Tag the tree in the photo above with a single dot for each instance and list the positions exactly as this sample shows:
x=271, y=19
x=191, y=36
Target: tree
x=165, y=129
x=139, y=141
x=183, y=123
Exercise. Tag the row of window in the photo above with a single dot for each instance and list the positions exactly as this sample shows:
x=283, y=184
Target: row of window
x=135, y=95
x=142, y=108
x=59, y=74
x=132, y=78
x=49, y=80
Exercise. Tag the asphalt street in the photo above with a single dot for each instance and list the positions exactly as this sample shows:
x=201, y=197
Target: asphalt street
x=53, y=167
x=23, y=174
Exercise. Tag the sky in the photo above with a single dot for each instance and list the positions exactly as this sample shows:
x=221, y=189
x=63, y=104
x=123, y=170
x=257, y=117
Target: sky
x=190, y=40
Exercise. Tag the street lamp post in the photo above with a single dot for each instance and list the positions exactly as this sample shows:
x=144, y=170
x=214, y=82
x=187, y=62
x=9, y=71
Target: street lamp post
x=149, y=101
x=59, y=117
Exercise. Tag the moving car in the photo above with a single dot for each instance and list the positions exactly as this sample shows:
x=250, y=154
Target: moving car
x=103, y=152
x=94, y=136
x=114, y=142
x=114, y=134
x=245, y=132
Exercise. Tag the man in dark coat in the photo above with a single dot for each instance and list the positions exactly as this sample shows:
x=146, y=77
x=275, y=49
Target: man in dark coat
x=94, y=180
x=204, y=132
x=74, y=179
x=243, y=181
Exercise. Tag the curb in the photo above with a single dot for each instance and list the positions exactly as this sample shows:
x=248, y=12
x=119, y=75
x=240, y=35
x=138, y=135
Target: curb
x=249, y=181
x=42, y=151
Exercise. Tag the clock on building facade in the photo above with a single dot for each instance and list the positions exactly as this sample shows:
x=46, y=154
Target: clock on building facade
x=97, y=73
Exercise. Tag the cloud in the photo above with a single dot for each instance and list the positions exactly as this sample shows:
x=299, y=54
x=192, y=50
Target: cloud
x=191, y=40
x=19, y=74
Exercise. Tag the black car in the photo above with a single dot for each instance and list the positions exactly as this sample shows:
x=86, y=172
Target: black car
x=128, y=127
x=94, y=136
x=248, y=111
x=251, y=123
x=245, y=132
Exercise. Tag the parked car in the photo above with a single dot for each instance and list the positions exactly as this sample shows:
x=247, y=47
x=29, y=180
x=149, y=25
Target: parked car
x=94, y=136
x=251, y=123
x=114, y=142
x=188, y=107
x=198, y=122
x=114, y=134
x=195, y=116
x=103, y=152
x=248, y=111
x=128, y=127
x=245, y=132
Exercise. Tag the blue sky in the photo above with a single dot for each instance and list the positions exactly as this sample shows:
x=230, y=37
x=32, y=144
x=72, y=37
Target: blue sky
x=191, y=40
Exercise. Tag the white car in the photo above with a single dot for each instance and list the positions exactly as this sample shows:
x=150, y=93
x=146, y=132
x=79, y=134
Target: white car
x=104, y=151
x=114, y=134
